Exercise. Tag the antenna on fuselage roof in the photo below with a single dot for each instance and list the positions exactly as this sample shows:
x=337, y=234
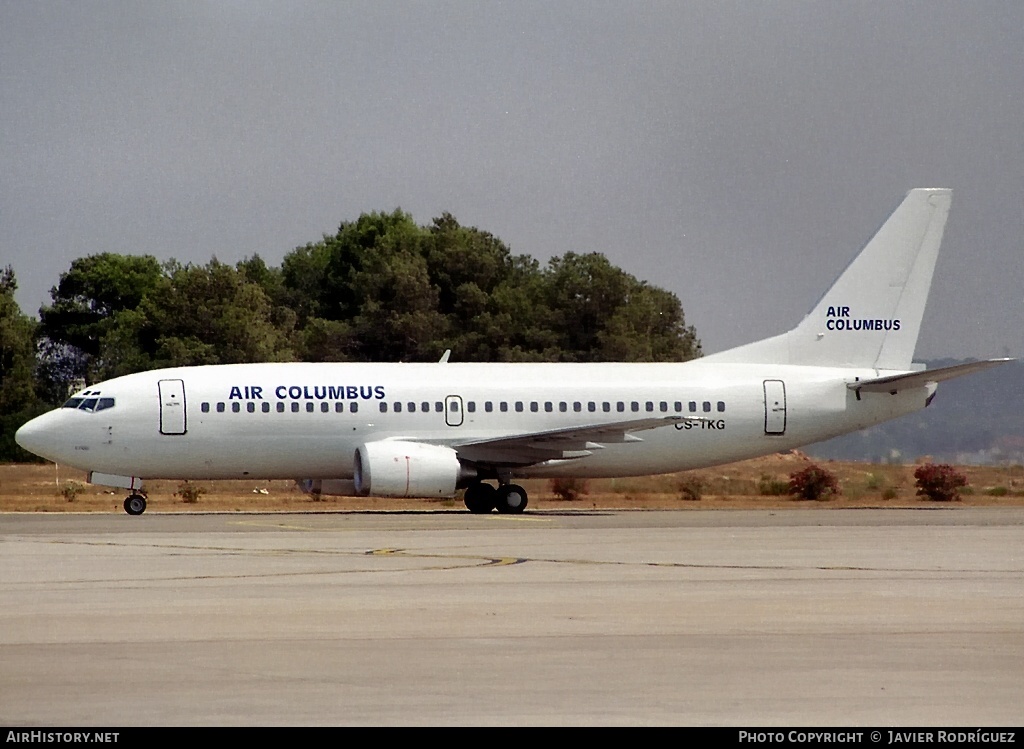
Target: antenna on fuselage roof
x=445, y=356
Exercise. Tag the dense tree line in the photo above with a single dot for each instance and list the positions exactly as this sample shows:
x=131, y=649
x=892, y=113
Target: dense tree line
x=381, y=289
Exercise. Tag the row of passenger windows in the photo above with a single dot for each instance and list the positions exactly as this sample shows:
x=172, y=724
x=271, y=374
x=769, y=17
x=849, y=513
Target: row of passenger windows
x=488, y=406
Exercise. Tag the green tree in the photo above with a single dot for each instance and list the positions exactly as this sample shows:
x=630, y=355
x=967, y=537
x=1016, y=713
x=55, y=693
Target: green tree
x=18, y=399
x=86, y=303
x=605, y=314
x=383, y=288
x=210, y=314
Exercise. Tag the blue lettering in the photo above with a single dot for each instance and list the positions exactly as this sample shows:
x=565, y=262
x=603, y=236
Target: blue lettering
x=319, y=392
x=256, y=392
x=365, y=392
x=379, y=392
x=335, y=393
x=294, y=392
x=236, y=392
x=280, y=391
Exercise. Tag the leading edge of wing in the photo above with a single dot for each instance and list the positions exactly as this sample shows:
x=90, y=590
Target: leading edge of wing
x=895, y=383
x=556, y=444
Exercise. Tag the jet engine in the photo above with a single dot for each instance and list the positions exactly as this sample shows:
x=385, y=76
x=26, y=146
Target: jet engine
x=393, y=468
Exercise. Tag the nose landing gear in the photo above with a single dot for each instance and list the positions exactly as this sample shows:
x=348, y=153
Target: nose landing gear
x=135, y=504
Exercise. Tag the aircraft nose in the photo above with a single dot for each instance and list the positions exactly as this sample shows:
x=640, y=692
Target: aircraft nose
x=35, y=436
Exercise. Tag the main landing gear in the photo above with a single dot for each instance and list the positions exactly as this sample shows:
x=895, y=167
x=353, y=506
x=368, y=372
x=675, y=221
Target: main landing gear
x=507, y=498
x=135, y=504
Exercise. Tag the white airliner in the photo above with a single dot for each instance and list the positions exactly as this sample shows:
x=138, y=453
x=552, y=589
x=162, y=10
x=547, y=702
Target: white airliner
x=427, y=430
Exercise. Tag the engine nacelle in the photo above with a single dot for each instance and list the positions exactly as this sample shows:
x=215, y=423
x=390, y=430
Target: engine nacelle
x=392, y=468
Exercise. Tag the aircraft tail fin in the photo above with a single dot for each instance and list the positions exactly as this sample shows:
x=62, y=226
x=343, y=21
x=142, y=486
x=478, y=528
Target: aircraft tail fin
x=871, y=315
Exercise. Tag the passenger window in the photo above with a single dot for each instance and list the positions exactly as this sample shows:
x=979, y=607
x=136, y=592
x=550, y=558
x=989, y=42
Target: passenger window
x=425, y=407
x=250, y=407
x=679, y=406
x=383, y=407
x=280, y=407
x=534, y=407
x=548, y=408
x=453, y=406
x=634, y=406
x=650, y=405
x=265, y=407
x=411, y=407
x=519, y=406
x=205, y=408
x=664, y=406
x=339, y=407
x=220, y=408
x=324, y=406
x=693, y=406
x=706, y=406
x=591, y=406
x=620, y=406
x=606, y=406
x=577, y=406
x=295, y=407
x=236, y=407
x=309, y=407
x=398, y=407
x=721, y=406
x=353, y=407
x=471, y=406
x=488, y=406
x=503, y=407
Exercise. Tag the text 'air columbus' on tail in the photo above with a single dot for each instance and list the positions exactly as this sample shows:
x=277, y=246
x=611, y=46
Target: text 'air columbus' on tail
x=871, y=315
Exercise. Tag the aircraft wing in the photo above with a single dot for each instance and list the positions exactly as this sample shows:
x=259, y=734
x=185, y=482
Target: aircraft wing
x=556, y=444
x=895, y=383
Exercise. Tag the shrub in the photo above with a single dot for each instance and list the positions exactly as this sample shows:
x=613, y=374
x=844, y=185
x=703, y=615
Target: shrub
x=691, y=488
x=889, y=492
x=569, y=488
x=769, y=486
x=941, y=483
x=189, y=492
x=71, y=490
x=813, y=482
x=997, y=491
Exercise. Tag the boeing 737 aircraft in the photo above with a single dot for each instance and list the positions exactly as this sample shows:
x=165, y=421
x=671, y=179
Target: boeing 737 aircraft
x=428, y=430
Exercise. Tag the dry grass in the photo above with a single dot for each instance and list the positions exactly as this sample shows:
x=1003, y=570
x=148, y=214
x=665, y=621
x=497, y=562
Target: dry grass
x=49, y=488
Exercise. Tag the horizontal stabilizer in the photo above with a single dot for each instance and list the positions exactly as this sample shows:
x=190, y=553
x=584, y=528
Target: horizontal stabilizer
x=895, y=383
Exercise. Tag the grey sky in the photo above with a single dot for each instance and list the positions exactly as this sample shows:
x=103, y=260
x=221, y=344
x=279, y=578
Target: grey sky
x=737, y=154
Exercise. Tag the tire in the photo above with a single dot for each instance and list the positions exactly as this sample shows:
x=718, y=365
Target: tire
x=480, y=497
x=511, y=498
x=135, y=504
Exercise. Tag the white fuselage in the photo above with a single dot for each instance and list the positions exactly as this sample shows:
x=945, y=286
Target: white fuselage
x=274, y=421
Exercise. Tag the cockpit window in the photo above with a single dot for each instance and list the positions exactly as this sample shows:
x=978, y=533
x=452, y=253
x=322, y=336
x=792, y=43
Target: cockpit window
x=89, y=404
